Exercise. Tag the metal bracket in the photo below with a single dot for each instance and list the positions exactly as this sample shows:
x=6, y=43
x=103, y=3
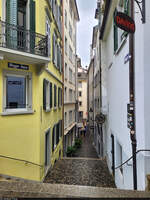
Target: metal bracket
x=141, y=5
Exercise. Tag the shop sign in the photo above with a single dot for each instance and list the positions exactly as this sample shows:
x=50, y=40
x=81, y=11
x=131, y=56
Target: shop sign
x=18, y=66
x=125, y=22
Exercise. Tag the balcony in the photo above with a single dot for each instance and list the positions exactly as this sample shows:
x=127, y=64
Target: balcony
x=22, y=45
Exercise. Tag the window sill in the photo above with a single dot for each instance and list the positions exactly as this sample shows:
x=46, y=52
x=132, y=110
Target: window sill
x=120, y=46
x=17, y=113
x=48, y=110
x=55, y=108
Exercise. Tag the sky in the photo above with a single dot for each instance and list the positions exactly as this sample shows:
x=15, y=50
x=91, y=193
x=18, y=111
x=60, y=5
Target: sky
x=86, y=10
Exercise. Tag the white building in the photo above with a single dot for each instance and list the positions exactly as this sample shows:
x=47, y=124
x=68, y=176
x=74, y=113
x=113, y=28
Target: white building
x=71, y=17
x=115, y=94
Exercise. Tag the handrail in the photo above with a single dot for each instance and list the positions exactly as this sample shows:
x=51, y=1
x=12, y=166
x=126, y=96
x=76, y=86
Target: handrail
x=11, y=158
x=132, y=157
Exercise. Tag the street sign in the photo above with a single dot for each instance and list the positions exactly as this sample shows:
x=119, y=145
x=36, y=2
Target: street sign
x=125, y=22
x=18, y=66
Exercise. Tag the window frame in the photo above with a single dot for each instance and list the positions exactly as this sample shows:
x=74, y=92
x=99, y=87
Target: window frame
x=28, y=76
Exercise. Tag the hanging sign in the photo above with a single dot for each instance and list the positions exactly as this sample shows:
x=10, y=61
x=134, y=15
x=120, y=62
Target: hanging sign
x=125, y=22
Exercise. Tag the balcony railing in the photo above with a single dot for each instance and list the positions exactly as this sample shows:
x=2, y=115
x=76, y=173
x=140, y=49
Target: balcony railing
x=17, y=38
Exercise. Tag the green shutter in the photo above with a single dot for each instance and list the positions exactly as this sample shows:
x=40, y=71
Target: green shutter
x=115, y=36
x=126, y=7
x=51, y=96
x=32, y=25
x=53, y=48
x=53, y=138
x=11, y=18
x=44, y=94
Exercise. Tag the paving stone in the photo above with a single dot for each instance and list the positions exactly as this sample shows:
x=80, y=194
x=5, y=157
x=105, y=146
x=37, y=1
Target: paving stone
x=88, y=170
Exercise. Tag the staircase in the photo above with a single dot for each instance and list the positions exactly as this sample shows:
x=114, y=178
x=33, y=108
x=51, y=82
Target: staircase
x=45, y=190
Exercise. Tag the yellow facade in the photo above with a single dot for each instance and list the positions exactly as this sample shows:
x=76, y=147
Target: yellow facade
x=22, y=136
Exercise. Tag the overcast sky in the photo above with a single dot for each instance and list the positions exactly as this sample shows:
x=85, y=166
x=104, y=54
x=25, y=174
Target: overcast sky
x=85, y=28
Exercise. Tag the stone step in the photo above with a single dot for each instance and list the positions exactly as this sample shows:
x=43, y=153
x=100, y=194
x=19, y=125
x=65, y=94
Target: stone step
x=43, y=190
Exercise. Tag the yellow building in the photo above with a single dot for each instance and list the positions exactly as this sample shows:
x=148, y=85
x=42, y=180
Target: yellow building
x=31, y=87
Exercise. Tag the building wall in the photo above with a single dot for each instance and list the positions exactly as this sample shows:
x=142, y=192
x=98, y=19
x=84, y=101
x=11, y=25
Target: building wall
x=70, y=105
x=23, y=135
x=115, y=83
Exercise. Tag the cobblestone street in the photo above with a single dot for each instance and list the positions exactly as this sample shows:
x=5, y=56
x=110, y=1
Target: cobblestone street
x=85, y=169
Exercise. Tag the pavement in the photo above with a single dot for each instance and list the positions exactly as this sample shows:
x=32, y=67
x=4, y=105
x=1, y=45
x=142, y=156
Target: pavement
x=85, y=169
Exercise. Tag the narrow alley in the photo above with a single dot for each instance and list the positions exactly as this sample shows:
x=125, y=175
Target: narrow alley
x=83, y=169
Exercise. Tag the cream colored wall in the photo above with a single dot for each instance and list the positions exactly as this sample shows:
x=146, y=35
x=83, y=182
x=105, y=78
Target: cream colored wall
x=83, y=98
x=71, y=65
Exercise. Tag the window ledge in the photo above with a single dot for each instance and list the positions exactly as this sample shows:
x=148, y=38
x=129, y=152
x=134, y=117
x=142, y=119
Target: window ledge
x=121, y=45
x=17, y=113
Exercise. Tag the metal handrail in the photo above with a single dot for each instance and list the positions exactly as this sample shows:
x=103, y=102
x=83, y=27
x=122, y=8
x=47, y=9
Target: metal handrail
x=132, y=157
x=11, y=158
x=18, y=38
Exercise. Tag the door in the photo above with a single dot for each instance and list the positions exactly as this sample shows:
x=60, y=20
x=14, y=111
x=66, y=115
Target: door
x=47, y=148
x=48, y=34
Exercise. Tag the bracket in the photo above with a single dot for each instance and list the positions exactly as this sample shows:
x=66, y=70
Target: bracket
x=141, y=5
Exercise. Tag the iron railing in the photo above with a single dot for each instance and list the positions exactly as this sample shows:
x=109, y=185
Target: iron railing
x=17, y=38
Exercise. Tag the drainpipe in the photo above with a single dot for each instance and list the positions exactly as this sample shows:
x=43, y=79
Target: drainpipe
x=63, y=77
x=132, y=98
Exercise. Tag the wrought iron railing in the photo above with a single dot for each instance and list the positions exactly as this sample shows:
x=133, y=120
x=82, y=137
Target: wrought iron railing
x=17, y=38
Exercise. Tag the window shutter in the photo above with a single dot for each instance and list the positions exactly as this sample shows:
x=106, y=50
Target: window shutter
x=61, y=97
x=32, y=15
x=13, y=12
x=53, y=138
x=32, y=25
x=54, y=95
x=115, y=36
x=51, y=97
x=44, y=94
x=53, y=48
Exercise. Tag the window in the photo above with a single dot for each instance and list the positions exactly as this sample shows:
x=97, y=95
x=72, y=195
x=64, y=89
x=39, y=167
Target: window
x=80, y=84
x=65, y=94
x=48, y=34
x=65, y=18
x=66, y=71
x=65, y=119
x=66, y=45
x=70, y=75
x=17, y=91
x=80, y=94
x=80, y=103
x=57, y=133
x=55, y=96
x=70, y=30
x=47, y=95
x=70, y=95
x=54, y=138
x=70, y=53
x=60, y=128
x=47, y=148
x=119, y=34
x=70, y=117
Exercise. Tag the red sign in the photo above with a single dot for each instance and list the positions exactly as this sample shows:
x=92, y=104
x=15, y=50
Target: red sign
x=125, y=22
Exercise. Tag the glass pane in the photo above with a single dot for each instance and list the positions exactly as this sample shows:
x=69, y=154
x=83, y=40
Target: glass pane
x=16, y=92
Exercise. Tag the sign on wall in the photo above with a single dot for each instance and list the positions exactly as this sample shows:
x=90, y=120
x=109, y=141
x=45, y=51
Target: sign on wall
x=125, y=22
x=18, y=66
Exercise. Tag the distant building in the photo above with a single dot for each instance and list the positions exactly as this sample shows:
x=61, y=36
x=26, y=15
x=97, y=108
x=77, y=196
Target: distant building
x=82, y=92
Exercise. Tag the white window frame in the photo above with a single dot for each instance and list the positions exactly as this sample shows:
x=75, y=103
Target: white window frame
x=28, y=76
